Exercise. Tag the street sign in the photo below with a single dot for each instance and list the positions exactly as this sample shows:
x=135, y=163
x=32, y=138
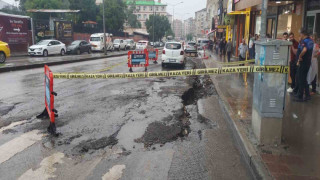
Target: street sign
x=153, y=54
x=138, y=59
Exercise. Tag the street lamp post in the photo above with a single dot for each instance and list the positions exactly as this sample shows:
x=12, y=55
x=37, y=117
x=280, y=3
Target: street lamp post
x=104, y=30
x=153, y=22
x=263, y=29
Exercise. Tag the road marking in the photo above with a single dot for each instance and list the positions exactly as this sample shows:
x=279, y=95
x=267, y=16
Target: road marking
x=17, y=145
x=114, y=173
x=12, y=125
x=46, y=169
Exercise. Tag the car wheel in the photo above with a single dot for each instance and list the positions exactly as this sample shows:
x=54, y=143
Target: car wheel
x=62, y=52
x=45, y=53
x=78, y=52
x=89, y=51
x=2, y=57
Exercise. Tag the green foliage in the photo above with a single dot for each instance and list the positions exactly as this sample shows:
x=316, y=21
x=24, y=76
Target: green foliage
x=114, y=15
x=132, y=19
x=190, y=37
x=12, y=10
x=88, y=10
x=162, y=27
x=46, y=4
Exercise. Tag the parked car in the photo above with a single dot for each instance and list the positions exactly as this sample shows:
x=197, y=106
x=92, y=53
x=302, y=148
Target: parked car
x=97, y=42
x=130, y=44
x=78, y=47
x=191, y=47
x=141, y=45
x=202, y=42
x=173, y=53
x=4, y=51
x=119, y=44
x=47, y=47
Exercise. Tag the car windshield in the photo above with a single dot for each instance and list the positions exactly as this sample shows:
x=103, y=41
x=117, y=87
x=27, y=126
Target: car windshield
x=117, y=41
x=173, y=46
x=191, y=44
x=95, y=39
x=75, y=42
x=43, y=43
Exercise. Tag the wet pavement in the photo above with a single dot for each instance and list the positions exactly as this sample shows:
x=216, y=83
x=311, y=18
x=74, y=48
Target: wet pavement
x=298, y=157
x=161, y=128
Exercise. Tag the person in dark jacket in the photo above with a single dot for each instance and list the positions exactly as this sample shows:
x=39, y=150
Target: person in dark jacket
x=223, y=48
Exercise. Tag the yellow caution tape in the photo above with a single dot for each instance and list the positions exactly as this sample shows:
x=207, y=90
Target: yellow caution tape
x=237, y=62
x=193, y=72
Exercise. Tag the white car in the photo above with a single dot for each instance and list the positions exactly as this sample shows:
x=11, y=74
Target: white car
x=130, y=44
x=173, y=53
x=120, y=44
x=141, y=45
x=47, y=47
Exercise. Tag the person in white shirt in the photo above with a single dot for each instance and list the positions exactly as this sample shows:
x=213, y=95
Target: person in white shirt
x=251, y=47
x=243, y=50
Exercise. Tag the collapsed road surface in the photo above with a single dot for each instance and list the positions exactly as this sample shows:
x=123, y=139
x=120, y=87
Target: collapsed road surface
x=155, y=128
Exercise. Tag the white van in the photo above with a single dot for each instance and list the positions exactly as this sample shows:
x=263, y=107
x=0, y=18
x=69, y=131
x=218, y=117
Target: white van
x=96, y=41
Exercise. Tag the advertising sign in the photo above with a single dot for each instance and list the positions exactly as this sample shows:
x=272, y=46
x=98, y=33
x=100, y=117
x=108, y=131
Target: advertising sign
x=63, y=30
x=42, y=30
x=14, y=30
x=49, y=97
x=138, y=58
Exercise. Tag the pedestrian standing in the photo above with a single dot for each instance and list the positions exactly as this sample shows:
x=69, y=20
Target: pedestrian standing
x=285, y=36
x=217, y=46
x=304, y=55
x=313, y=71
x=251, y=48
x=293, y=62
x=222, y=47
x=243, y=50
x=229, y=49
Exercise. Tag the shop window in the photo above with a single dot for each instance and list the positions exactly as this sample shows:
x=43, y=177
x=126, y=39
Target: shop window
x=258, y=25
x=310, y=23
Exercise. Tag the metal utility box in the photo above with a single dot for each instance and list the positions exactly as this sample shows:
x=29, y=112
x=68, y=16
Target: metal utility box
x=270, y=88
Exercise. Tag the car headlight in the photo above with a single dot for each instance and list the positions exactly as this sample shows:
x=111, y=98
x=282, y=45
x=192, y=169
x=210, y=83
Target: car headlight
x=39, y=49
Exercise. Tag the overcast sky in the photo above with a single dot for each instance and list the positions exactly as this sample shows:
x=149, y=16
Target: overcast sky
x=188, y=6
x=180, y=11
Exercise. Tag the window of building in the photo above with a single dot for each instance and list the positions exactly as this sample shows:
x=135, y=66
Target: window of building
x=139, y=16
x=151, y=8
x=157, y=8
x=138, y=7
x=144, y=16
x=163, y=8
x=144, y=8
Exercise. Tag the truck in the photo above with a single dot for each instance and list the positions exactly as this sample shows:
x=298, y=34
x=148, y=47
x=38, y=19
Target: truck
x=97, y=42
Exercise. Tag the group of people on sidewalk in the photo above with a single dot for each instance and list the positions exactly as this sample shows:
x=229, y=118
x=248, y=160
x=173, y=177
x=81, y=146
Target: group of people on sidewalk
x=303, y=64
x=227, y=48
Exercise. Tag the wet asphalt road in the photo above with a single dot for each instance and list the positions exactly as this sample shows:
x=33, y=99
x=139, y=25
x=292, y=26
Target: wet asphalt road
x=115, y=128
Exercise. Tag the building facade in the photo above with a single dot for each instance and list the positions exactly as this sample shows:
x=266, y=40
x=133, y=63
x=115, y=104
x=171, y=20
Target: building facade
x=178, y=29
x=145, y=8
x=189, y=26
x=201, y=24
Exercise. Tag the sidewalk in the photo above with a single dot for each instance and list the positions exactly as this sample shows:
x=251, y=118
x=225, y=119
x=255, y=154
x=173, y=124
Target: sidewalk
x=299, y=155
x=27, y=62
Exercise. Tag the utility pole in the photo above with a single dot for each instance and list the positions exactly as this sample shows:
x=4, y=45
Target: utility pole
x=153, y=21
x=104, y=30
x=263, y=30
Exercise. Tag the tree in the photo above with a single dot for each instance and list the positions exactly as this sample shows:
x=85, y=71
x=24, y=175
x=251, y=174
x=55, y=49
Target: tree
x=162, y=27
x=190, y=37
x=132, y=19
x=12, y=10
x=45, y=4
x=114, y=15
x=88, y=9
